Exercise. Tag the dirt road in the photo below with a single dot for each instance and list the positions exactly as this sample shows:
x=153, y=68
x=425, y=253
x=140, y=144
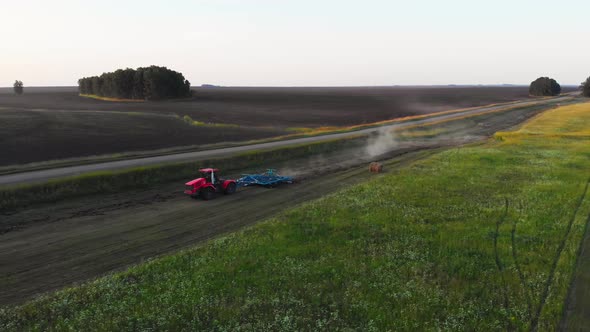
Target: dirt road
x=44, y=175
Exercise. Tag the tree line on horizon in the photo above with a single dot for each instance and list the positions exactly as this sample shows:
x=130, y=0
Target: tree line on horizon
x=144, y=83
x=18, y=87
x=150, y=83
x=585, y=87
x=544, y=86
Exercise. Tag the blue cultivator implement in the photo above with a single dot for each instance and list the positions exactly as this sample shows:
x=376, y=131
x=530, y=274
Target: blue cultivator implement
x=268, y=179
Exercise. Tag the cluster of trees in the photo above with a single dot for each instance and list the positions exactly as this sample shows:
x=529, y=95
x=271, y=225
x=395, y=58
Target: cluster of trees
x=544, y=86
x=18, y=87
x=149, y=83
x=585, y=87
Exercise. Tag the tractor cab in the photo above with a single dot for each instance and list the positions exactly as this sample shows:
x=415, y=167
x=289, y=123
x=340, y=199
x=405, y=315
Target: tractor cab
x=211, y=175
x=209, y=184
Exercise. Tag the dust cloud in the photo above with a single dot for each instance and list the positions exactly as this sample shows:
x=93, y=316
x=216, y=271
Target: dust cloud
x=375, y=147
x=384, y=141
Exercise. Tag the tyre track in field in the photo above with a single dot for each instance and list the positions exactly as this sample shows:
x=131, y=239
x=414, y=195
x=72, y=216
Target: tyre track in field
x=499, y=265
x=545, y=293
x=576, y=311
x=521, y=275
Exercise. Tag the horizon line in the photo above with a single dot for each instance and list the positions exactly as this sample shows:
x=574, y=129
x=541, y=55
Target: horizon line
x=208, y=85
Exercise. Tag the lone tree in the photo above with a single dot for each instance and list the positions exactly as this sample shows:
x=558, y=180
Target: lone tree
x=585, y=87
x=18, y=87
x=544, y=86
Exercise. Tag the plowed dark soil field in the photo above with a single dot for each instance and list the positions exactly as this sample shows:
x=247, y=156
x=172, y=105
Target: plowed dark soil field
x=56, y=123
x=283, y=107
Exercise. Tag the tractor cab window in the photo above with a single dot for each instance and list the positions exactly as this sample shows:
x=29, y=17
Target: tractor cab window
x=206, y=176
x=211, y=177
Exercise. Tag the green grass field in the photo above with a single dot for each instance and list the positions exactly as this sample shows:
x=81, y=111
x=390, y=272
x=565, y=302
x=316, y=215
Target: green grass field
x=483, y=237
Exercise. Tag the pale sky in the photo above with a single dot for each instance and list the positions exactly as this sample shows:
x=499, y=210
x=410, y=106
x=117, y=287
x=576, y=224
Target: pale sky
x=298, y=43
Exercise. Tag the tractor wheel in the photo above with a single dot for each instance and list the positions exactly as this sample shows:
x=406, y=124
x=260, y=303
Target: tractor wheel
x=230, y=189
x=207, y=193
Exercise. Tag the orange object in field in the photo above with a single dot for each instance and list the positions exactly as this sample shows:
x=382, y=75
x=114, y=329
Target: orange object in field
x=375, y=167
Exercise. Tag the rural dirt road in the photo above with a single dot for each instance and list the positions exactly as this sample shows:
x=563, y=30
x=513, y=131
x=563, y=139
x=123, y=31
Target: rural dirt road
x=43, y=175
x=51, y=246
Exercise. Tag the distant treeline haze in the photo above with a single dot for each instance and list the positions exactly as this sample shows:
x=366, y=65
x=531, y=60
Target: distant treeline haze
x=142, y=83
x=585, y=87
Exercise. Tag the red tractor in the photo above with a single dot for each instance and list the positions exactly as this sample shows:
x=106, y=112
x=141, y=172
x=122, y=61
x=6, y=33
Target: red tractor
x=209, y=184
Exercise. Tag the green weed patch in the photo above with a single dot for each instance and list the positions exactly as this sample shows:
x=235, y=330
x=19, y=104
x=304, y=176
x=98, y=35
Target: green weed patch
x=192, y=122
